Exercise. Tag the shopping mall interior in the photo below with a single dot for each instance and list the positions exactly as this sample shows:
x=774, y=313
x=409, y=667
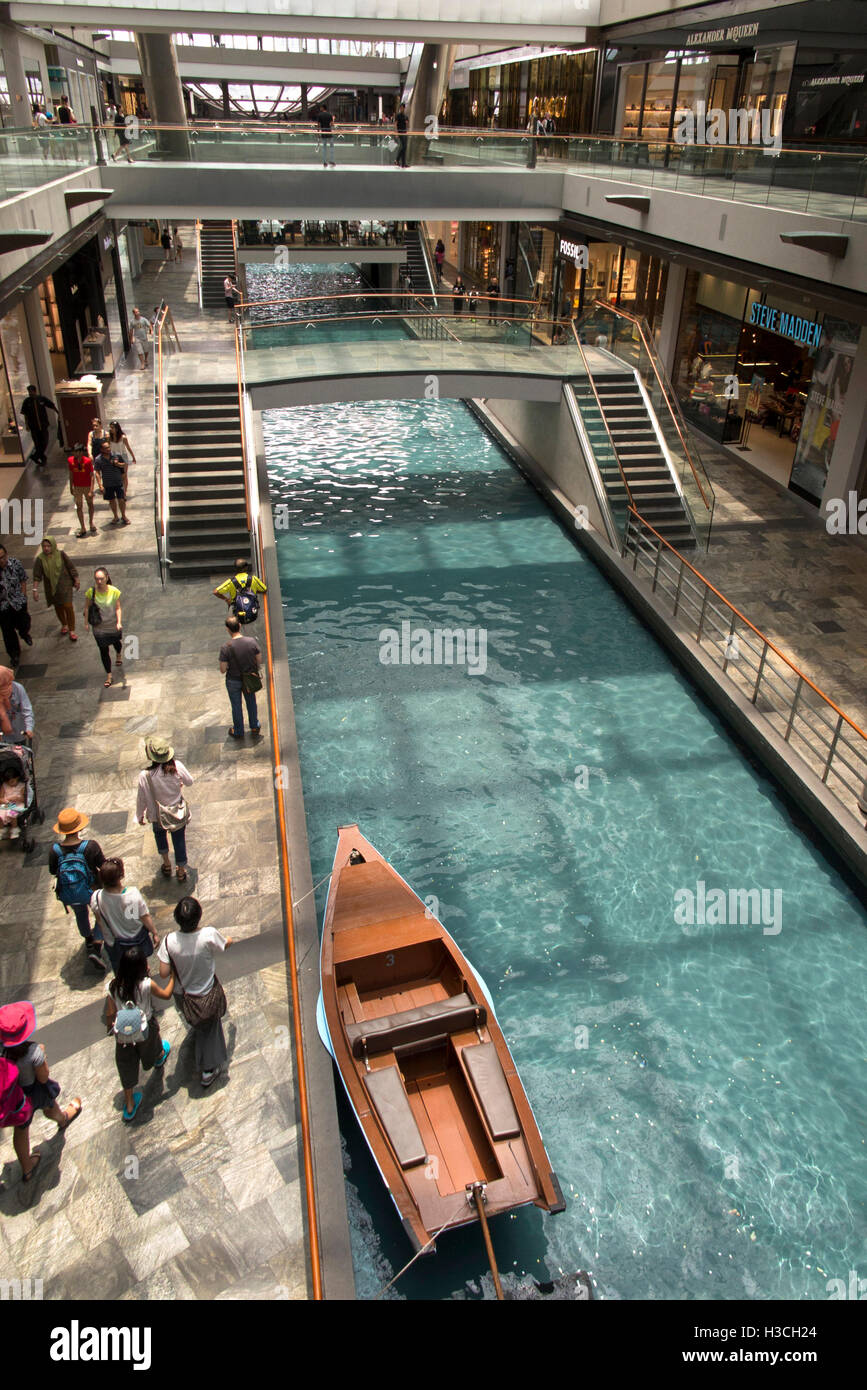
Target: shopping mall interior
x=507, y=384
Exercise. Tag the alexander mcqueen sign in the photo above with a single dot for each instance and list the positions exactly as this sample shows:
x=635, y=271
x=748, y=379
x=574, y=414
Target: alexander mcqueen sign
x=734, y=34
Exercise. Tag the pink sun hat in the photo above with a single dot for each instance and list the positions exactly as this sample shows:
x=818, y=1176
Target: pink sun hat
x=17, y=1023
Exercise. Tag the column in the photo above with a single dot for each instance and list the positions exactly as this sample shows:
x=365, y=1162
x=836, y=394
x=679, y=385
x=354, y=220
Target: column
x=19, y=97
x=667, y=346
x=43, y=369
x=850, y=445
x=224, y=93
x=430, y=85
x=165, y=96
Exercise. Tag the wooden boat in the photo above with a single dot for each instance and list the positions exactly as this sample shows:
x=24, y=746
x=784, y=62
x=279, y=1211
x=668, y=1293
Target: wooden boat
x=412, y=1030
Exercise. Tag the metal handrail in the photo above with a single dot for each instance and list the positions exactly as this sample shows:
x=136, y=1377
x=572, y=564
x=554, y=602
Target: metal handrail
x=767, y=681
x=199, y=258
x=457, y=132
x=665, y=386
x=602, y=414
x=161, y=435
x=254, y=523
x=368, y=294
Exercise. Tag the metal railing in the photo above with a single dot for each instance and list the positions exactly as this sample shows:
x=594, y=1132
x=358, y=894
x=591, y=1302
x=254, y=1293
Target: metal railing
x=828, y=182
x=831, y=744
x=165, y=341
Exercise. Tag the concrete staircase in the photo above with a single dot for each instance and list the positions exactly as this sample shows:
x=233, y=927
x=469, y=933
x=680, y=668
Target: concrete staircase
x=207, y=510
x=416, y=263
x=217, y=249
x=654, y=492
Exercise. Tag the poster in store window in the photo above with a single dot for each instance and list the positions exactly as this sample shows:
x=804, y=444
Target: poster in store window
x=824, y=408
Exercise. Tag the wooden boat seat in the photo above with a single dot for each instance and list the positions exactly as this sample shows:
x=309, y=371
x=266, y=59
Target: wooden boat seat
x=492, y=1089
x=450, y=1015
x=385, y=1089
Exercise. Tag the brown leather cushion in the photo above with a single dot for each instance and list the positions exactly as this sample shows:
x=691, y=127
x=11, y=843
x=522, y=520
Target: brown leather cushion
x=376, y=1035
x=492, y=1089
x=385, y=1089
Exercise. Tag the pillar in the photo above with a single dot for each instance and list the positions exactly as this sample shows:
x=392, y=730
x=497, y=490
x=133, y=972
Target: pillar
x=19, y=96
x=431, y=83
x=224, y=93
x=667, y=346
x=164, y=93
x=42, y=365
x=847, y=460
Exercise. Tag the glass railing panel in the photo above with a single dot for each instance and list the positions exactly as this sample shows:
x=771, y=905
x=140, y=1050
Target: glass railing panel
x=30, y=158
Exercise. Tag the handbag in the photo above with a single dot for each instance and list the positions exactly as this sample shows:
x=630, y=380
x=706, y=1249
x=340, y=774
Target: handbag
x=200, y=1008
x=173, y=817
x=251, y=681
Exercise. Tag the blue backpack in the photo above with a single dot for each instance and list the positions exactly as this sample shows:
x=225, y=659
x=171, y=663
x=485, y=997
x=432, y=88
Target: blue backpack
x=74, y=879
x=246, y=604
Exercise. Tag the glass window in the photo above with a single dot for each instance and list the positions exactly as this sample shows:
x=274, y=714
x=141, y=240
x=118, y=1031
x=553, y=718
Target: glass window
x=16, y=376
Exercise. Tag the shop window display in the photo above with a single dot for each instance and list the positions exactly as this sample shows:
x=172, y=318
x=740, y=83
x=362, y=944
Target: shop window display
x=823, y=410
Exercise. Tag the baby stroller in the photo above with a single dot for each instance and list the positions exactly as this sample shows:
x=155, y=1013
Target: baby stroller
x=16, y=763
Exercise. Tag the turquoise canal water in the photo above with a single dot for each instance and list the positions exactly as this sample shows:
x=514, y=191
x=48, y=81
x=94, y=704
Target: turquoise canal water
x=699, y=1087
x=275, y=285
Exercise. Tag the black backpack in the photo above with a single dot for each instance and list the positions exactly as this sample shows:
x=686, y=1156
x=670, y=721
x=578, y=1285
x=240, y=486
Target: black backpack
x=246, y=604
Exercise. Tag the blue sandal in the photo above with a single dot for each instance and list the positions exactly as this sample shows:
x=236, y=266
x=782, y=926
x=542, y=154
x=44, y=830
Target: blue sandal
x=136, y=1102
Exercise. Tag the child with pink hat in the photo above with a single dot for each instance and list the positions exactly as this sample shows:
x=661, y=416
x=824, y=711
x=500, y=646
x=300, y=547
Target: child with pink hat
x=20, y=1052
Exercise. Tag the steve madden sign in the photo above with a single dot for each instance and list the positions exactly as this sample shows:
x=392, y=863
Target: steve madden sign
x=733, y=34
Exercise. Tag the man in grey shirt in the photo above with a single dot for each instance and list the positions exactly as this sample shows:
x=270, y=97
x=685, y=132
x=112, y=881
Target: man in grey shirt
x=239, y=663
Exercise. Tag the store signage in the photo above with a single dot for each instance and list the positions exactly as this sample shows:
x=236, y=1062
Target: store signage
x=733, y=34
x=575, y=251
x=854, y=80
x=806, y=332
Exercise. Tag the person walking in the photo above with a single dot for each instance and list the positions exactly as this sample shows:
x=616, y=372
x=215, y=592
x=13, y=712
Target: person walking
x=81, y=486
x=122, y=449
x=16, y=711
x=240, y=659
x=325, y=121
x=240, y=592
x=179, y=248
x=139, y=331
x=130, y=1018
x=122, y=133
x=459, y=290
x=122, y=913
x=34, y=411
x=56, y=570
x=16, y=1112
x=111, y=476
x=160, y=800
x=102, y=612
x=232, y=295
x=401, y=125
x=64, y=112
x=189, y=955
x=166, y=243
x=75, y=864
x=15, y=619
x=18, y=1045
x=95, y=437
x=493, y=293
x=439, y=259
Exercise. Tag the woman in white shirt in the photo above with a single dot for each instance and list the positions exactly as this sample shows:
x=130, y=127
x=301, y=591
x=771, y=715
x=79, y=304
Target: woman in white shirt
x=160, y=800
x=122, y=914
x=133, y=985
x=189, y=954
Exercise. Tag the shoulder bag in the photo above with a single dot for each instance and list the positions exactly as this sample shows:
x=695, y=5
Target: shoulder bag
x=200, y=1008
x=173, y=817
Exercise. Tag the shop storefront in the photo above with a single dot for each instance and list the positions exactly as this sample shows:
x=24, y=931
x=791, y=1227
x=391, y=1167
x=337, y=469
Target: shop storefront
x=630, y=279
x=17, y=373
x=89, y=340
x=810, y=79
x=502, y=91
x=765, y=374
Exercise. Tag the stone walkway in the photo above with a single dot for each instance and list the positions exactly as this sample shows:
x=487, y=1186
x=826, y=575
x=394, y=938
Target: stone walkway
x=200, y=1196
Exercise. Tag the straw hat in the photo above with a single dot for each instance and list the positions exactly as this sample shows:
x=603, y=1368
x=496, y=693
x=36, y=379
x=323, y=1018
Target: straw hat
x=159, y=750
x=70, y=820
x=17, y=1022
